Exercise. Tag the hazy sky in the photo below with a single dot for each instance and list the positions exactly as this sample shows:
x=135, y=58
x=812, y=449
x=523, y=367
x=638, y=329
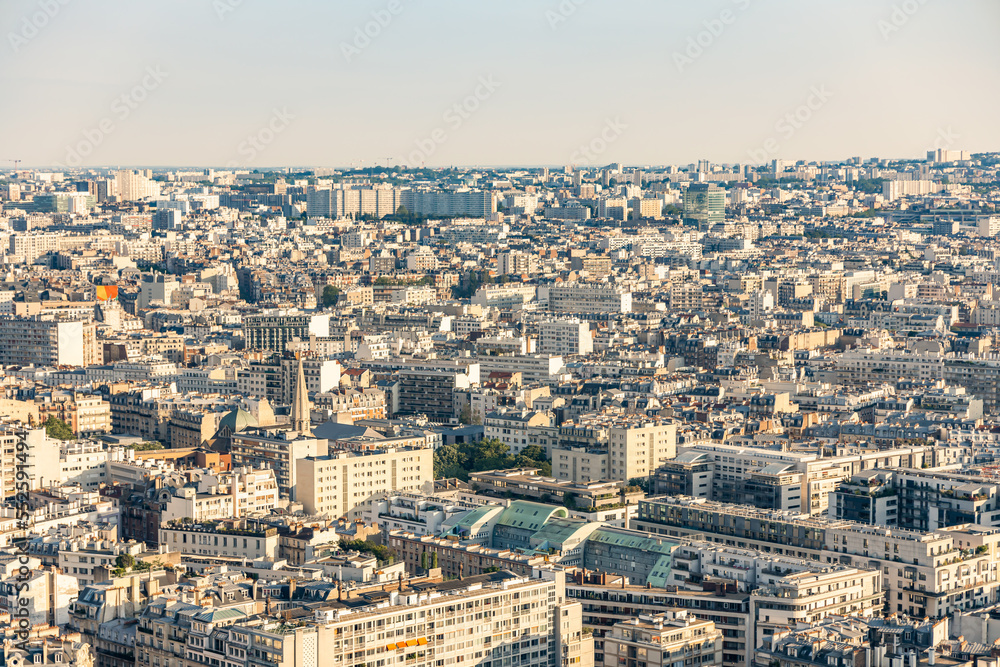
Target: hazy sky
x=297, y=83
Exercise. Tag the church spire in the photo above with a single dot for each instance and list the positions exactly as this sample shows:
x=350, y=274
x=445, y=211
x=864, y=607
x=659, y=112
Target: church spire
x=300, y=403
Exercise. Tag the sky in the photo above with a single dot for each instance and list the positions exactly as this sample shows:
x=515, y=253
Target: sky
x=308, y=83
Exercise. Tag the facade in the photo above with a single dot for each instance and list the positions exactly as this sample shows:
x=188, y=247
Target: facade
x=923, y=574
x=431, y=391
x=273, y=332
x=663, y=639
x=585, y=298
x=278, y=450
x=241, y=541
x=28, y=341
x=226, y=495
x=565, y=337
x=343, y=483
x=705, y=205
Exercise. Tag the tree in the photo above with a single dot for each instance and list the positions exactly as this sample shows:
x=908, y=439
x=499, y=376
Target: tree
x=465, y=416
x=125, y=562
x=423, y=560
x=380, y=551
x=330, y=295
x=641, y=482
x=147, y=446
x=434, y=560
x=448, y=462
x=58, y=429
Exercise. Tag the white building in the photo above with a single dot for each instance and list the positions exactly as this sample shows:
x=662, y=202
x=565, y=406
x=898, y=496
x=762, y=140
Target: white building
x=565, y=337
x=585, y=298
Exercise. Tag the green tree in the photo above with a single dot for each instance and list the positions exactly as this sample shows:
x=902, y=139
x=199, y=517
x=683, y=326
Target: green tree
x=434, y=560
x=124, y=561
x=330, y=295
x=448, y=462
x=58, y=429
x=465, y=416
x=380, y=551
x=423, y=560
x=147, y=446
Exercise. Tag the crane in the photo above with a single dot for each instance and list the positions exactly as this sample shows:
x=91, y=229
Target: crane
x=16, y=162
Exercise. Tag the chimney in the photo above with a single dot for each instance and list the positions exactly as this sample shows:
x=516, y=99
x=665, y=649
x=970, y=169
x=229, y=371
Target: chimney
x=930, y=656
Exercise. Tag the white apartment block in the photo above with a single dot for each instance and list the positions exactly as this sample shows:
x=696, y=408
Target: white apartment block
x=584, y=298
x=342, y=483
x=565, y=337
x=540, y=368
x=505, y=297
x=35, y=341
x=864, y=366
x=220, y=496
x=194, y=539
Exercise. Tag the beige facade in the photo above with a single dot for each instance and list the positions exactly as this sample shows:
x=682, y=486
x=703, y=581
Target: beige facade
x=342, y=483
x=663, y=640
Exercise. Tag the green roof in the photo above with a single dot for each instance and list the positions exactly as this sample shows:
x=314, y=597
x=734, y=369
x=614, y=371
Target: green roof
x=530, y=516
x=472, y=518
x=559, y=531
x=238, y=420
x=632, y=541
x=216, y=615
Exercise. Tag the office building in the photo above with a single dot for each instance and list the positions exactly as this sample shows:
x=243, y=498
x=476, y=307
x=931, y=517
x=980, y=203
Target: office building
x=704, y=205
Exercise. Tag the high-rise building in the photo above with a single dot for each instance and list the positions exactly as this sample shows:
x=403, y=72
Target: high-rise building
x=565, y=337
x=705, y=205
x=26, y=341
x=136, y=185
x=344, y=482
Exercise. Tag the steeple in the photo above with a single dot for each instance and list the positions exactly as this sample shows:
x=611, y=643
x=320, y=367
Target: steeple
x=300, y=403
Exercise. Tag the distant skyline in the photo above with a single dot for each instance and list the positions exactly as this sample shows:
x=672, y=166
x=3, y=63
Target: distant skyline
x=246, y=83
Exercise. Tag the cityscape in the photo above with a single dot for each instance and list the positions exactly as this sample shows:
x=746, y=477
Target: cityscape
x=589, y=336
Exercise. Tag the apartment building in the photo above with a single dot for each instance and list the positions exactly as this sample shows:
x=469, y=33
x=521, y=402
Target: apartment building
x=585, y=298
x=277, y=449
x=863, y=367
x=342, y=483
x=769, y=479
x=632, y=445
x=923, y=574
x=362, y=403
x=273, y=331
x=663, y=639
x=609, y=599
x=509, y=296
x=535, y=368
x=520, y=429
x=237, y=541
x=26, y=341
x=492, y=619
x=430, y=389
x=518, y=263
x=565, y=337
x=475, y=203
x=917, y=499
x=274, y=378
x=414, y=513
x=223, y=495
x=84, y=462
